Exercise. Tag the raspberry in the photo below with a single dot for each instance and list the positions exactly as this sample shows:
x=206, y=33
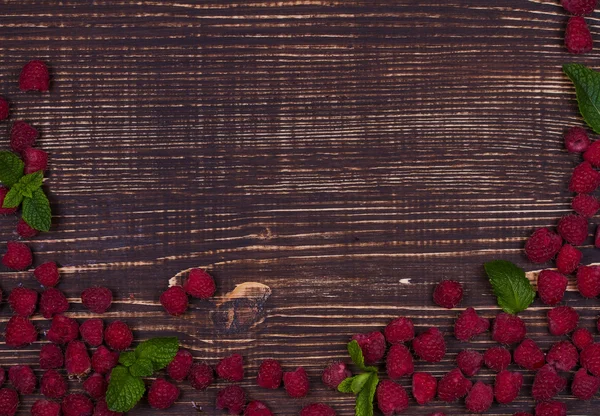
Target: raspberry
x=430, y=345
x=584, y=179
x=424, y=387
x=63, y=330
x=9, y=402
x=118, y=336
x=77, y=359
x=448, y=294
x=529, y=356
x=104, y=360
x=399, y=330
x=582, y=337
x=579, y=7
x=231, y=368
x=18, y=256
x=47, y=274
x=547, y=383
x=551, y=408
x=23, y=301
x=497, y=358
x=573, y=228
x=200, y=284
x=270, y=374
x=102, y=409
x=22, y=136
x=469, y=362
x=34, y=77
x=53, y=302
x=77, y=404
x=296, y=382
x=453, y=386
x=22, y=378
x=508, y=329
x=372, y=345
x=179, y=368
x=256, y=408
x=317, y=409
x=568, y=259
x=578, y=38
x=592, y=154
x=551, y=286
x=588, y=281
x=399, y=362
x=35, y=159
x=92, y=332
x=562, y=320
x=332, y=376
x=585, y=205
x=391, y=398
x=95, y=385
x=45, y=408
x=544, y=244
x=96, y=299
x=20, y=332
x=232, y=398
x=590, y=359
x=24, y=230
x=4, y=108
x=480, y=398
x=53, y=385
x=200, y=376
x=5, y=211
x=174, y=300
x=507, y=386
x=576, y=140
x=584, y=386
x=469, y=325
x=563, y=356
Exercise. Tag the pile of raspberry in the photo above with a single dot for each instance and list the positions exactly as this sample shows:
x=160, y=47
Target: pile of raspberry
x=578, y=38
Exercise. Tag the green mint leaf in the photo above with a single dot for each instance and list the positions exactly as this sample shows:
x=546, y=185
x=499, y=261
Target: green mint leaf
x=356, y=354
x=364, y=400
x=346, y=385
x=142, y=367
x=11, y=168
x=124, y=390
x=13, y=198
x=36, y=211
x=160, y=351
x=587, y=88
x=22, y=190
x=511, y=287
x=359, y=382
x=127, y=358
x=30, y=183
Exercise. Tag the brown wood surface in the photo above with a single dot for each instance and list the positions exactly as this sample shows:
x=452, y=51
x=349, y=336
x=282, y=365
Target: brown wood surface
x=346, y=154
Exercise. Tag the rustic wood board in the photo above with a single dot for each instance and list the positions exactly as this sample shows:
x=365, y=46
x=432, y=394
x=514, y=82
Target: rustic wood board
x=347, y=154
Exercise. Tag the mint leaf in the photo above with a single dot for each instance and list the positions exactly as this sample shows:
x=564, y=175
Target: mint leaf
x=13, y=198
x=587, y=88
x=357, y=357
x=30, y=183
x=511, y=287
x=364, y=400
x=359, y=382
x=124, y=390
x=346, y=385
x=36, y=211
x=160, y=351
x=127, y=358
x=11, y=168
x=143, y=367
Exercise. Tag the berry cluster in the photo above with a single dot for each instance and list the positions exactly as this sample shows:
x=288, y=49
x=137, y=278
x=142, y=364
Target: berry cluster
x=578, y=38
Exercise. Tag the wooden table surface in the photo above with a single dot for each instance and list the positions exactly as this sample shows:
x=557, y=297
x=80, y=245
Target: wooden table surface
x=346, y=154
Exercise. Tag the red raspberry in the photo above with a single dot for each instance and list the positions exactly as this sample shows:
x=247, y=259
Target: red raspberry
x=399, y=330
x=24, y=230
x=480, y=398
x=118, y=336
x=23, y=301
x=35, y=159
x=582, y=337
x=47, y=274
x=332, y=376
x=584, y=386
x=296, y=382
x=576, y=140
x=544, y=244
x=317, y=409
x=573, y=228
x=22, y=136
x=578, y=38
x=232, y=398
x=9, y=402
x=453, y=386
x=469, y=325
x=92, y=332
x=391, y=398
x=372, y=345
x=424, y=387
x=585, y=205
x=507, y=386
x=179, y=368
x=562, y=320
x=508, y=329
x=547, y=383
x=77, y=359
x=588, y=281
x=102, y=409
x=162, y=394
x=174, y=300
x=51, y=356
x=5, y=211
x=53, y=385
x=63, y=330
x=18, y=256
x=399, y=362
x=551, y=408
x=231, y=368
x=4, y=108
x=551, y=286
x=104, y=360
x=22, y=378
x=95, y=385
x=469, y=362
x=34, y=77
x=200, y=376
x=200, y=284
x=77, y=404
x=270, y=374
x=20, y=332
x=590, y=359
x=585, y=179
x=497, y=358
x=563, y=356
x=592, y=154
x=568, y=259
x=579, y=7
x=448, y=294
x=45, y=408
x=53, y=302
x=256, y=408
x=96, y=299
x=430, y=345
x=529, y=356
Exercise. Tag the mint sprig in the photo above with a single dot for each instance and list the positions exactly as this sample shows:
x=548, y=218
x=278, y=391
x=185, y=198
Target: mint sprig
x=510, y=285
x=587, y=88
x=362, y=385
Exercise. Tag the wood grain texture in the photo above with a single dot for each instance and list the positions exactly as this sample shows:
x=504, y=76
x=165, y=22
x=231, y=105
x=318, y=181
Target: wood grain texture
x=346, y=154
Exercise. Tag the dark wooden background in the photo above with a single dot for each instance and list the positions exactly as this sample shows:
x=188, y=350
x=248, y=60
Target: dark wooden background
x=347, y=154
